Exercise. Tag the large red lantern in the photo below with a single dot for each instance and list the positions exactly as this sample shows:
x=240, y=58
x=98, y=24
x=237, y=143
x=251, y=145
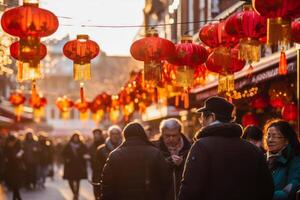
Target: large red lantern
x=215, y=35
x=81, y=51
x=64, y=104
x=249, y=119
x=225, y=62
x=290, y=112
x=152, y=50
x=296, y=31
x=28, y=61
x=187, y=57
x=17, y=99
x=249, y=27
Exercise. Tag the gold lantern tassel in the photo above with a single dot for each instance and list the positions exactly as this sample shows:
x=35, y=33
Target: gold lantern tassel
x=249, y=50
x=278, y=31
x=82, y=71
x=282, y=70
x=226, y=83
x=152, y=72
x=98, y=116
x=18, y=111
x=186, y=99
x=65, y=115
x=84, y=116
x=38, y=114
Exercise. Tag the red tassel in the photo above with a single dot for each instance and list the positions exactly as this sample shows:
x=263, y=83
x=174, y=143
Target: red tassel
x=186, y=100
x=282, y=64
x=250, y=71
x=177, y=100
x=81, y=92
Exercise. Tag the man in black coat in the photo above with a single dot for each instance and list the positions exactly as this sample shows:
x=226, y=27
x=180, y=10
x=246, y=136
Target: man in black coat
x=136, y=170
x=112, y=142
x=175, y=147
x=220, y=164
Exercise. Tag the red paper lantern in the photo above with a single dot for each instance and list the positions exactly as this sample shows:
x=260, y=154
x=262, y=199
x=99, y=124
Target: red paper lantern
x=248, y=26
x=296, y=31
x=82, y=107
x=17, y=99
x=37, y=102
x=81, y=51
x=249, y=119
x=259, y=103
x=277, y=103
x=64, y=104
x=225, y=62
x=290, y=112
x=152, y=50
x=215, y=35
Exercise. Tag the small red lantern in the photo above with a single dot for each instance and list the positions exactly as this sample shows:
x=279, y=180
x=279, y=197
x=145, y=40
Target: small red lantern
x=81, y=51
x=38, y=103
x=152, y=50
x=249, y=119
x=225, y=62
x=249, y=27
x=17, y=99
x=64, y=104
x=277, y=103
x=82, y=107
x=259, y=103
x=290, y=112
x=28, y=61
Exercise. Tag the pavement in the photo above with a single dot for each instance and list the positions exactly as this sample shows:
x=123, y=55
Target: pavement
x=56, y=189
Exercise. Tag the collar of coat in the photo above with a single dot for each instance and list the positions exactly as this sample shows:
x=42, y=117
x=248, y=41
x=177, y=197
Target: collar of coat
x=284, y=156
x=186, y=144
x=220, y=129
x=135, y=141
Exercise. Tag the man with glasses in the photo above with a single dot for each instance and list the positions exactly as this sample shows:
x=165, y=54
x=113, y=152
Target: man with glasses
x=221, y=165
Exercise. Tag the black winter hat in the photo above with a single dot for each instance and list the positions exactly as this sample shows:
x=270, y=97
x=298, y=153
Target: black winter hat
x=219, y=106
x=134, y=129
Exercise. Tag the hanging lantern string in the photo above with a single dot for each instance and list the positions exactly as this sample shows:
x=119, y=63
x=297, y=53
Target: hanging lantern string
x=142, y=26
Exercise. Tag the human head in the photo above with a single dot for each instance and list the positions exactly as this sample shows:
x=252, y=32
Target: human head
x=28, y=134
x=75, y=138
x=254, y=135
x=278, y=134
x=11, y=140
x=134, y=129
x=170, y=130
x=98, y=134
x=215, y=108
x=115, y=134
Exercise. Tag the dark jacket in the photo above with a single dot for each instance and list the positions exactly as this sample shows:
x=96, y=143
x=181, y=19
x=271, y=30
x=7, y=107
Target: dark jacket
x=75, y=165
x=174, y=169
x=14, y=166
x=136, y=170
x=32, y=152
x=220, y=165
x=93, y=152
x=46, y=153
x=286, y=172
x=100, y=159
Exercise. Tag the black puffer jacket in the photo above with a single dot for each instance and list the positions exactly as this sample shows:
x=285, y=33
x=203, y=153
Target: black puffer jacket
x=136, y=170
x=220, y=165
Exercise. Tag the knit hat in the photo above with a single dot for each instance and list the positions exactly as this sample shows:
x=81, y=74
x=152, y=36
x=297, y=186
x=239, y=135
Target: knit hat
x=134, y=129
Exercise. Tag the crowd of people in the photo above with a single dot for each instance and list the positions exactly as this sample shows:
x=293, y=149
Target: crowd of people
x=222, y=161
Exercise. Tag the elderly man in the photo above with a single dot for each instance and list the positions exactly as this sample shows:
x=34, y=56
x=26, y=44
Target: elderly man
x=112, y=142
x=174, y=146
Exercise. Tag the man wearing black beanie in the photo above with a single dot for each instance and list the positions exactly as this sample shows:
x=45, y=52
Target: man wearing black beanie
x=135, y=170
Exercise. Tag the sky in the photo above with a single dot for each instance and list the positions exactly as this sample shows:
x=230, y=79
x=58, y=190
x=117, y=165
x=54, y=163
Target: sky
x=114, y=41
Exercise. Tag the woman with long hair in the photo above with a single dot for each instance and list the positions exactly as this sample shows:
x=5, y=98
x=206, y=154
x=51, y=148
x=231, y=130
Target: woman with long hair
x=283, y=156
x=75, y=155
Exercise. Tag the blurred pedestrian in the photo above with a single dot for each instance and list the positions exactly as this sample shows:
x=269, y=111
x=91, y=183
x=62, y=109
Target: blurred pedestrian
x=220, y=164
x=135, y=170
x=254, y=135
x=31, y=157
x=14, y=165
x=45, y=160
x=112, y=142
x=75, y=155
x=175, y=147
x=283, y=156
x=98, y=140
